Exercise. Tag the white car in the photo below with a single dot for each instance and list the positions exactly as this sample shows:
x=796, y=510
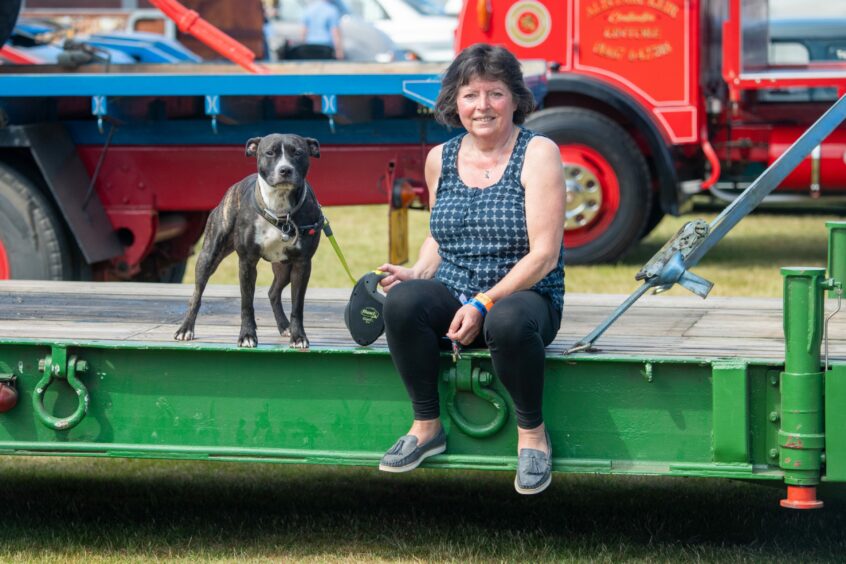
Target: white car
x=362, y=40
x=417, y=25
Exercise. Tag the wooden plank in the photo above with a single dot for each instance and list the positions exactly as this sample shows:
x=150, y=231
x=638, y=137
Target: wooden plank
x=656, y=326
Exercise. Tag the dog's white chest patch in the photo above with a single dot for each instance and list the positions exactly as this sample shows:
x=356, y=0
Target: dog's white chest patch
x=269, y=240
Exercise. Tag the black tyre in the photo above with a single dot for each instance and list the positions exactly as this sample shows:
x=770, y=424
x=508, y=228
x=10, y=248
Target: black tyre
x=9, y=10
x=608, y=192
x=656, y=214
x=33, y=245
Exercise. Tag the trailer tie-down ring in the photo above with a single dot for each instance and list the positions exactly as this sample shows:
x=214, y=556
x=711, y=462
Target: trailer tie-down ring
x=477, y=382
x=54, y=370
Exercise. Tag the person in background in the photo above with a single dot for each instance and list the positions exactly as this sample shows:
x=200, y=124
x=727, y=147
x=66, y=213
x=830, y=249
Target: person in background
x=491, y=272
x=322, y=26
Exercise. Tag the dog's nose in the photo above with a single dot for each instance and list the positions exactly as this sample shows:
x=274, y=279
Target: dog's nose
x=285, y=171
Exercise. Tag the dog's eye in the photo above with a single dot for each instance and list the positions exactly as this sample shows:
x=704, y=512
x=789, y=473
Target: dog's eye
x=298, y=152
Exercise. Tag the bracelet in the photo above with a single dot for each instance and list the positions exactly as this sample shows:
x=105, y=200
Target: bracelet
x=479, y=306
x=485, y=300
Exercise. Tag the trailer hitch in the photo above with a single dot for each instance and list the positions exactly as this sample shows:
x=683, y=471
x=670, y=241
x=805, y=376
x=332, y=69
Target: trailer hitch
x=56, y=365
x=463, y=377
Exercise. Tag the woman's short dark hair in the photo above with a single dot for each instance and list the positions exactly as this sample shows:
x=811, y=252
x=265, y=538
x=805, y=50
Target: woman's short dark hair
x=490, y=63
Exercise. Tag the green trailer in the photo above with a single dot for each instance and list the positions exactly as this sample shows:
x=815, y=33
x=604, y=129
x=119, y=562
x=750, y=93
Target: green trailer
x=724, y=387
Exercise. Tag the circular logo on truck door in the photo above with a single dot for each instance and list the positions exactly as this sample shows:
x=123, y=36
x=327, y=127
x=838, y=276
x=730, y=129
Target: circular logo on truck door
x=528, y=23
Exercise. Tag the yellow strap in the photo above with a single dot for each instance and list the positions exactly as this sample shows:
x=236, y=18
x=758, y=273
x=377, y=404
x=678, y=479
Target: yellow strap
x=329, y=235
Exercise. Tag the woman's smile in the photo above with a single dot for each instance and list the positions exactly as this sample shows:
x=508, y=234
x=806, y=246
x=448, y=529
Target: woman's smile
x=486, y=106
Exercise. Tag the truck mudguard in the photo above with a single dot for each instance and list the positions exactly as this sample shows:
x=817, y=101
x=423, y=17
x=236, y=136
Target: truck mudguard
x=586, y=86
x=64, y=174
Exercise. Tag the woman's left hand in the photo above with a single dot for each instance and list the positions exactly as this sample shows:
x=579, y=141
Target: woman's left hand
x=465, y=325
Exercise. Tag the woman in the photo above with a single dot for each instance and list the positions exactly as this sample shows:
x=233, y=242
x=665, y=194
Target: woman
x=491, y=271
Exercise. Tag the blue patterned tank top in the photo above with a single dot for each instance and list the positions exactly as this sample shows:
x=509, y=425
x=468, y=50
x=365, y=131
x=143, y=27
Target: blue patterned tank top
x=481, y=233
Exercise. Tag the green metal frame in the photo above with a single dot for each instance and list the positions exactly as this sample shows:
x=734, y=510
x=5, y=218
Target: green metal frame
x=606, y=414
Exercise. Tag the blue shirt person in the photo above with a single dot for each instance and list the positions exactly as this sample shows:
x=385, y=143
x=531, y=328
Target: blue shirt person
x=321, y=21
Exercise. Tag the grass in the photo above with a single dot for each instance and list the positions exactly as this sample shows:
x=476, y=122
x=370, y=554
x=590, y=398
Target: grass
x=105, y=510
x=86, y=510
x=745, y=263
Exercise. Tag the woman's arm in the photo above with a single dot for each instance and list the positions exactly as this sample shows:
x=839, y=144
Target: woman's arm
x=543, y=180
x=428, y=258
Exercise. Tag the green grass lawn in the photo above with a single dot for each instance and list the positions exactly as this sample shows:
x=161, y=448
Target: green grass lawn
x=745, y=263
x=95, y=510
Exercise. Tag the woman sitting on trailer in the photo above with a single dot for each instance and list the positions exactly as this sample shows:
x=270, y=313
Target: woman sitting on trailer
x=491, y=271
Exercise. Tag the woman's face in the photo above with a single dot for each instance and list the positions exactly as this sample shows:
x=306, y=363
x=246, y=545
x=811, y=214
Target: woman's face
x=486, y=107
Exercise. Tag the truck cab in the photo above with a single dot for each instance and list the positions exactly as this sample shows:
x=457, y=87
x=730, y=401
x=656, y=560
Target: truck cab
x=654, y=101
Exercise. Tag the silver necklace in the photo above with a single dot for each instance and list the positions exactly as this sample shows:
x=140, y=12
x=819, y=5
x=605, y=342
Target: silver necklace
x=488, y=171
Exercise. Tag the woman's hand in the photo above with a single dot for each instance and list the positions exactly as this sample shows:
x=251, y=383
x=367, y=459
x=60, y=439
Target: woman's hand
x=466, y=325
x=396, y=274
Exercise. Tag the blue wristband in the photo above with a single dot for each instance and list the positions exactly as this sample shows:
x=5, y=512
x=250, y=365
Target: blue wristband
x=478, y=305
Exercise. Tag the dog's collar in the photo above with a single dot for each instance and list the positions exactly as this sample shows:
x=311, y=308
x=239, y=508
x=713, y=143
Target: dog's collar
x=261, y=207
x=284, y=223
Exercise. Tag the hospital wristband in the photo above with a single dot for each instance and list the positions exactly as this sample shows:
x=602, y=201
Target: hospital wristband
x=479, y=306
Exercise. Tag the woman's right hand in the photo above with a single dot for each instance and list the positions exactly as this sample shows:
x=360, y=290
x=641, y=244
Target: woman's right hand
x=396, y=274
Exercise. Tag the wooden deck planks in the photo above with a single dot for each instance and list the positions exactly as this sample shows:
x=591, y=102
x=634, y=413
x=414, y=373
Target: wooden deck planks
x=657, y=326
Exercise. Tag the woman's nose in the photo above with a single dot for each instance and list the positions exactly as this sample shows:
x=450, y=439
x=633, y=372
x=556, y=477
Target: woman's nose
x=482, y=102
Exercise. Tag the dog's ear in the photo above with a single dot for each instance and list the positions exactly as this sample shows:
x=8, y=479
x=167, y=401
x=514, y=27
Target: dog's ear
x=313, y=147
x=252, y=146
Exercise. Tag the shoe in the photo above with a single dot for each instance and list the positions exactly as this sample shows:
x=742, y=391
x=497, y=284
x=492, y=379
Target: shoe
x=405, y=455
x=534, y=470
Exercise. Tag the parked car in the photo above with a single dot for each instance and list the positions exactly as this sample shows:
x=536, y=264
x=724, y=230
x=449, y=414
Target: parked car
x=417, y=25
x=362, y=40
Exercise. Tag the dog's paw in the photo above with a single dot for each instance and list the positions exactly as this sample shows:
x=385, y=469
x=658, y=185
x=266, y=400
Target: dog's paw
x=300, y=343
x=285, y=332
x=249, y=341
x=184, y=334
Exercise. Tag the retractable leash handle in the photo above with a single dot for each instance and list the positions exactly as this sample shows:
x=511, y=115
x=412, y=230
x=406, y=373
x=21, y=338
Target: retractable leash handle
x=687, y=247
x=363, y=314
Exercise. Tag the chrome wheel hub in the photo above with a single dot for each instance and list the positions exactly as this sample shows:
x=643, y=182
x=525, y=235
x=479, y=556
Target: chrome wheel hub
x=584, y=196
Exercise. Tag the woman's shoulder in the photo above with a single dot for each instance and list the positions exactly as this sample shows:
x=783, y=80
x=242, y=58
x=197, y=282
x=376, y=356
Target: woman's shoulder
x=435, y=153
x=541, y=146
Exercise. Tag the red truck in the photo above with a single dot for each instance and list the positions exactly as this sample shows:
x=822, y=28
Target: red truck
x=109, y=172
x=652, y=101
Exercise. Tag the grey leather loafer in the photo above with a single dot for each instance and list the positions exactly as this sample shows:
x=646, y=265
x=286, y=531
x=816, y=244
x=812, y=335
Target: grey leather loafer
x=534, y=470
x=406, y=455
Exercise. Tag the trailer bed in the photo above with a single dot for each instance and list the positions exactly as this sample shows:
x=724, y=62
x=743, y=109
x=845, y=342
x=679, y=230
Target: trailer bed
x=657, y=326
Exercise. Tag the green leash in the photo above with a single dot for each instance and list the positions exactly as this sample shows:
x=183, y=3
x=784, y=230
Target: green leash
x=328, y=232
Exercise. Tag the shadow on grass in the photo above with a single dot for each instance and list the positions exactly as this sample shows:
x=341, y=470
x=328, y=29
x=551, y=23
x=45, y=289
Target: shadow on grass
x=208, y=511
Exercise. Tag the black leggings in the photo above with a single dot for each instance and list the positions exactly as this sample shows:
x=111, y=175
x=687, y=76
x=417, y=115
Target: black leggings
x=417, y=315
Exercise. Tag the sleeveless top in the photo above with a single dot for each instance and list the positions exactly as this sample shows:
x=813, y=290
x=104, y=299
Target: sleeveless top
x=481, y=233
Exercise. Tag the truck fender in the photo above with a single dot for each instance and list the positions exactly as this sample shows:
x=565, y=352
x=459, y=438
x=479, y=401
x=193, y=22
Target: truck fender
x=668, y=181
x=64, y=174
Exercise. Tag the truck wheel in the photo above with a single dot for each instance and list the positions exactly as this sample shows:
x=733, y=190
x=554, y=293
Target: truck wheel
x=32, y=242
x=8, y=16
x=656, y=214
x=608, y=195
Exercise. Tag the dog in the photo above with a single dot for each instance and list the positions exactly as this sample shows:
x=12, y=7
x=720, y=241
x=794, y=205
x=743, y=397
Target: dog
x=271, y=215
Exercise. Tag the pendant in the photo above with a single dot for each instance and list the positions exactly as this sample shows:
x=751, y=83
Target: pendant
x=487, y=173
